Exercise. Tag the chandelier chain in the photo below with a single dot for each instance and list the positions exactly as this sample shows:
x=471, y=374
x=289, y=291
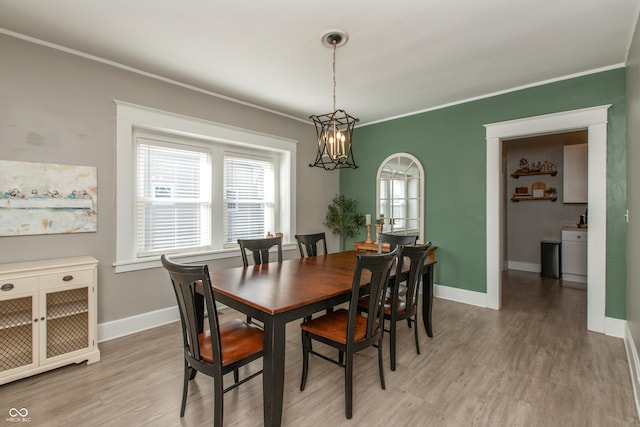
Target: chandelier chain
x=334, y=75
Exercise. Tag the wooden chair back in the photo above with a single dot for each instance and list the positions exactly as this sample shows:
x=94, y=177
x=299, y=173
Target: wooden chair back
x=378, y=268
x=310, y=243
x=185, y=279
x=394, y=240
x=416, y=256
x=260, y=249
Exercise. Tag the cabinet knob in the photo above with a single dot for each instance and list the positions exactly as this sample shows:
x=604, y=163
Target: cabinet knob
x=7, y=287
x=35, y=320
x=67, y=278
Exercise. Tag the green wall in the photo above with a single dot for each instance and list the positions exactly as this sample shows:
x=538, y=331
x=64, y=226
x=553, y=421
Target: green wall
x=450, y=143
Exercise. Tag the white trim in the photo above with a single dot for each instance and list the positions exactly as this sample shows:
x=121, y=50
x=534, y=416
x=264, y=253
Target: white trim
x=634, y=364
x=574, y=278
x=595, y=120
x=138, y=323
x=614, y=327
x=524, y=266
x=130, y=117
x=464, y=296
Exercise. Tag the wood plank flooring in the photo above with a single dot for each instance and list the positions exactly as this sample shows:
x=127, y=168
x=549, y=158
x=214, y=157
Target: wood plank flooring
x=530, y=364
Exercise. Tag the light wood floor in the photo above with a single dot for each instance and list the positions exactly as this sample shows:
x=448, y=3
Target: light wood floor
x=530, y=364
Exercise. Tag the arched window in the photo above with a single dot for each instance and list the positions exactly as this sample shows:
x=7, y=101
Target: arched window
x=400, y=195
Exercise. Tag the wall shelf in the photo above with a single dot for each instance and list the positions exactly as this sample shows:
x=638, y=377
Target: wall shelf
x=517, y=174
x=527, y=199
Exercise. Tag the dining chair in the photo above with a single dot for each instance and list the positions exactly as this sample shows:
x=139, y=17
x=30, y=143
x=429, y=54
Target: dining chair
x=401, y=302
x=223, y=348
x=395, y=240
x=347, y=330
x=260, y=249
x=310, y=243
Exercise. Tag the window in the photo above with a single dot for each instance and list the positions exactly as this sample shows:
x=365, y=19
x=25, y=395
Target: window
x=400, y=192
x=249, y=198
x=197, y=187
x=173, y=199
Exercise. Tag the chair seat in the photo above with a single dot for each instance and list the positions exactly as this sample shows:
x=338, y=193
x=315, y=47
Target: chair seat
x=363, y=303
x=238, y=339
x=333, y=326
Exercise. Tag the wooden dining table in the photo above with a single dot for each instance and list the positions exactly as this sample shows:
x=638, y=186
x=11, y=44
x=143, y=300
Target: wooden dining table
x=280, y=292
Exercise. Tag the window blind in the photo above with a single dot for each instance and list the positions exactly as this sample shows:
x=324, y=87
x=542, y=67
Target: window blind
x=249, y=199
x=173, y=199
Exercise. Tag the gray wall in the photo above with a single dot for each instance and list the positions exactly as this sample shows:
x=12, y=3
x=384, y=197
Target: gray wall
x=58, y=108
x=633, y=196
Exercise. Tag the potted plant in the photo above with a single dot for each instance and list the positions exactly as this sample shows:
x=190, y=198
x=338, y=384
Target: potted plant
x=551, y=192
x=344, y=219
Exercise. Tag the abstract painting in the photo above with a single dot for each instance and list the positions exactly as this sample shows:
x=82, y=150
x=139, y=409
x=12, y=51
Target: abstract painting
x=45, y=198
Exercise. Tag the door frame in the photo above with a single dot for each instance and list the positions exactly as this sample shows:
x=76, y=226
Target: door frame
x=593, y=119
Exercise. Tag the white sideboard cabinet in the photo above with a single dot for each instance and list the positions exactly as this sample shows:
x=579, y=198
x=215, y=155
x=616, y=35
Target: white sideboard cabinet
x=48, y=315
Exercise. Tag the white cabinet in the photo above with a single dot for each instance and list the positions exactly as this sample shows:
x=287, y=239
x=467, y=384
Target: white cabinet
x=575, y=174
x=47, y=315
x=574, y=255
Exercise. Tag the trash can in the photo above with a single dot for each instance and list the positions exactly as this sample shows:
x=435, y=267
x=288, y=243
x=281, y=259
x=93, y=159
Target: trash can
x=551, y=258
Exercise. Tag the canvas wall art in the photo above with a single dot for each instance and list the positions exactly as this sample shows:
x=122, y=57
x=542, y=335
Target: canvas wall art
x=44, y=198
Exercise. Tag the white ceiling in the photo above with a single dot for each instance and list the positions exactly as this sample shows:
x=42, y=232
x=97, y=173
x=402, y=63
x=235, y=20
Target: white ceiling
x=402, y=57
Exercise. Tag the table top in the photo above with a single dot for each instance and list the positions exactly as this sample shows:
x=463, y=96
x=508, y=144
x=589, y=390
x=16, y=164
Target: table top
x=282, y=286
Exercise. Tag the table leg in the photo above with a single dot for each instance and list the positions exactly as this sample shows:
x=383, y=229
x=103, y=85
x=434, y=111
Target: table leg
x=427, y=298
x=273, y=371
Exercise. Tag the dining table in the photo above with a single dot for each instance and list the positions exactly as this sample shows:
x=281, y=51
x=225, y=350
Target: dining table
x=280, y=292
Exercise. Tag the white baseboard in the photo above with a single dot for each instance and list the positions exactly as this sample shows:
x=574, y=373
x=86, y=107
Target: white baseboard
x=141, y=322
x=634, y=365
x=460, y=295
x=574, y=278
x=524, y=266
x=615, y=327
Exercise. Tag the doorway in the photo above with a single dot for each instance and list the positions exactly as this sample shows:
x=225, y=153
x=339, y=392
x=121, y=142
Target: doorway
x=595, y=121
x=530, y=219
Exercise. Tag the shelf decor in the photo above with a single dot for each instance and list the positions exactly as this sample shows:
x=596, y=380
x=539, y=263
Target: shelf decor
x=540, y=168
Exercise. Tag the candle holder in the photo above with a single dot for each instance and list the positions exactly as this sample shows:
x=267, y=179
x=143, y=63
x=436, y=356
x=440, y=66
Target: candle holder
x=368, y=234
x=378, y=227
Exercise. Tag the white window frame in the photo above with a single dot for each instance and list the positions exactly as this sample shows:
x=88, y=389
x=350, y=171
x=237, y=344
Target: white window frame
x=130, y=117
x=421, y=190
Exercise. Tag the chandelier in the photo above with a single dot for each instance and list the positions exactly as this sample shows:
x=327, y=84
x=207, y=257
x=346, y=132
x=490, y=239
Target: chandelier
x=334, y=130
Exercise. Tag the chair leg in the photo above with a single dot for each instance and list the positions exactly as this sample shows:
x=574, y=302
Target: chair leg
x=348, y=389
x=415, y=332
x=380, y=364
x=392, y=344
x=185, y=387
x=306, y=342
x=218, y=403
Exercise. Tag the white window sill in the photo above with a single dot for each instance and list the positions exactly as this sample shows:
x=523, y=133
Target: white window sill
x=202, y=257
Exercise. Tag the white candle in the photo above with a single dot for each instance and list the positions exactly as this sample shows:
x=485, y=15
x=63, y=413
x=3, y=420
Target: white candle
x=368, y=219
